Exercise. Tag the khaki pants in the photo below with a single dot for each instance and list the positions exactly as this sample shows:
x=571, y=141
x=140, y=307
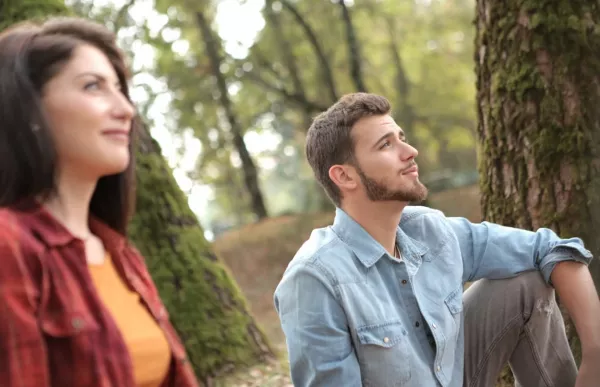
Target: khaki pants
x=517, y=321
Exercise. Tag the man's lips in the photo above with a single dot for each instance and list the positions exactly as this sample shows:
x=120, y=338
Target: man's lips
x=412, y=170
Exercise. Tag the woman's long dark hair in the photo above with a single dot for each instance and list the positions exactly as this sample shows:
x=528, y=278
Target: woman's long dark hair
x=30, y=55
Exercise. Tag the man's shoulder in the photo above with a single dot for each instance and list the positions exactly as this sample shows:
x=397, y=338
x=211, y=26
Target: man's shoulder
x=427, y=225
x=420, y=213
x=321, y=253
x=321, y=243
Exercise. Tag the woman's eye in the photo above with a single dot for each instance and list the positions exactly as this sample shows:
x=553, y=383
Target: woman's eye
x=92, y=85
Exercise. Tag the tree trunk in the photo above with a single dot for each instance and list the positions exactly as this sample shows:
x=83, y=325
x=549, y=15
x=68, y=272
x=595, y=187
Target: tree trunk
x=248, y=167
x=538, y=92
x=354, y=55
x=203, y=301
x=292, y=67
x=324, y=64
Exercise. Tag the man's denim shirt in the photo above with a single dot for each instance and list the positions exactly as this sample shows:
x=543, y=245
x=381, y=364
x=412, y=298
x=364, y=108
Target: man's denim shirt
x=354, y=315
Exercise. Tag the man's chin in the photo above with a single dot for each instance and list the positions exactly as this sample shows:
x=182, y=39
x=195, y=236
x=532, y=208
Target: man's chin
x=418, y=194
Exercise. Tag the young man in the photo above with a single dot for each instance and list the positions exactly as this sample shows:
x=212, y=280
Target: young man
x=377, y=298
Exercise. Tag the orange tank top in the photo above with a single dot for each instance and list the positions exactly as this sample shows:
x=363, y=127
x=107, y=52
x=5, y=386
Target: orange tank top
x=148, y=347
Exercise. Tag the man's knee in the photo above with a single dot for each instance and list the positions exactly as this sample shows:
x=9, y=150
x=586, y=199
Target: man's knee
x=535, y=294
x=534, y=282
x=528, y=289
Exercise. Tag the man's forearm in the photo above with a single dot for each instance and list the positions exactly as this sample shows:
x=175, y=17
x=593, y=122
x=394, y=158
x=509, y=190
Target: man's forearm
x=575, y=287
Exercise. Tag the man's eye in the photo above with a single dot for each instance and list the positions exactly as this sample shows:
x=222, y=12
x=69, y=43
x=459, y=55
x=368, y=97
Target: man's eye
x=385, y=144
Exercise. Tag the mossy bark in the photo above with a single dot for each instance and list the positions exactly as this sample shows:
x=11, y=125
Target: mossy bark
x=538, y=92
x=205, y=304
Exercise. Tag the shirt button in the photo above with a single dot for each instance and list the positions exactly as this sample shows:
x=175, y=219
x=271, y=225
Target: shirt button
x=417, y=324
x=438, y=368
x=386, y=339
x=433, y=326
x=77, y=323
x=403, y=282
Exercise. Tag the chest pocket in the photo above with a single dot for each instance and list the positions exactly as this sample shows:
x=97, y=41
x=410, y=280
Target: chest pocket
x=383, y=355
x=67, y=324
x=455, y=305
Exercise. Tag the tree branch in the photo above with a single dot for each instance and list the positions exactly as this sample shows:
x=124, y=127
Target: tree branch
x=296, y=98
x=353, y=49
x=326, y=72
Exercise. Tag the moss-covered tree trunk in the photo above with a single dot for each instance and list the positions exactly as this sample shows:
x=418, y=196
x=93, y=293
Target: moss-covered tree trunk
x=538, y=93
x=205, y=305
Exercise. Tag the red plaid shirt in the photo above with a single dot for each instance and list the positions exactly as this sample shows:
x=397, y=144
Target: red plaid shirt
x=54, y=328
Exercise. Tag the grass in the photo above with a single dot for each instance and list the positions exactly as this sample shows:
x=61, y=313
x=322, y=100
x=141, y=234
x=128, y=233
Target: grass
x=257, y=256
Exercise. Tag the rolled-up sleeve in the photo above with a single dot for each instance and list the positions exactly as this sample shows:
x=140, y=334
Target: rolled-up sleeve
x=315, y=325
x=493, y=251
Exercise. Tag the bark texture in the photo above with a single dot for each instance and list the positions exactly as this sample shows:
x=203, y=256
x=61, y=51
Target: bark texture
x=205, y=304
x=538, y=92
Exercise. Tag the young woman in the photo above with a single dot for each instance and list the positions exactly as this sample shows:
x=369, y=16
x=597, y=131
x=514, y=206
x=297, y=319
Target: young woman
x=77, y=305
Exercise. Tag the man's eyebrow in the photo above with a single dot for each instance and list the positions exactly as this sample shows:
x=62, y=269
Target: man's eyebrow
x=388, y=134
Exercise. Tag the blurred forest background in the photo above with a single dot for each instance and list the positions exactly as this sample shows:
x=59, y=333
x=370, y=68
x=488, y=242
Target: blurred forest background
x=228, y=88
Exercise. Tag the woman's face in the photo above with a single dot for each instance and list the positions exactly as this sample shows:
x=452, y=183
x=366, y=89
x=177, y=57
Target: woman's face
x=89, y=117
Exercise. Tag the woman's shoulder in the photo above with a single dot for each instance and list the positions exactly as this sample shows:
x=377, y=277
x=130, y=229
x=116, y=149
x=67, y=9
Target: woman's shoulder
x=10, y=227
x=17, y=234
x=17, y=253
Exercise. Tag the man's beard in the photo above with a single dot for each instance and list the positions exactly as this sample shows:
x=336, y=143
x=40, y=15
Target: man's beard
x=378, y=192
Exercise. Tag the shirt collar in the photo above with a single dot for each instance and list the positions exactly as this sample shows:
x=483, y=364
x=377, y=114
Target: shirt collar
x=51, y=232
x=368, y=250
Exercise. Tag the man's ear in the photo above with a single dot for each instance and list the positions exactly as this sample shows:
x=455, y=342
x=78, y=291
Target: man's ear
x=343, y=177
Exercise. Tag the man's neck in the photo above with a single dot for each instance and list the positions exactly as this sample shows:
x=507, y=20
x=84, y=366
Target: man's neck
x=379, y=219
x=70, y=205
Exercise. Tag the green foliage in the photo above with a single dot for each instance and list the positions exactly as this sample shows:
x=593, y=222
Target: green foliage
x=433, y=41
x=13, y=11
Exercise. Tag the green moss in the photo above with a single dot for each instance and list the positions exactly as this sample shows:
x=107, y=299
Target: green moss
x=537, y=90
x=204, y=302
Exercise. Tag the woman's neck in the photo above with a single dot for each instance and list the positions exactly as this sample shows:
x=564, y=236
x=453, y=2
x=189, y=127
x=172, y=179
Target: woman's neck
x=70, y=204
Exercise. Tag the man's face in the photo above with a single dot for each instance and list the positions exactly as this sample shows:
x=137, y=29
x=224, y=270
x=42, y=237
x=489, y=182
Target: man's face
x=385, y=162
